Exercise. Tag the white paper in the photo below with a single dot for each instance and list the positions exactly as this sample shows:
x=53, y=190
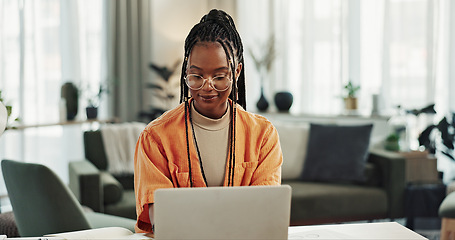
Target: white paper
x=100, y=233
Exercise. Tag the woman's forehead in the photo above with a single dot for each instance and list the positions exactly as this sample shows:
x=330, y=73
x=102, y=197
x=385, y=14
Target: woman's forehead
x=208, y=56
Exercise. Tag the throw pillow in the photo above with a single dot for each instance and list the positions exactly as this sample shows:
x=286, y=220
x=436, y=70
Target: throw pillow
x=293, y=142
x=336, y=153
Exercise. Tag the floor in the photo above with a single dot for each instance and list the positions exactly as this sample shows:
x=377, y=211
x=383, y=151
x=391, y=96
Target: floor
x=428, y=227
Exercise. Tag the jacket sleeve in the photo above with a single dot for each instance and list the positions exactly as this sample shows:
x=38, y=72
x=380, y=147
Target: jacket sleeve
x=150, y=173
x=268, y=171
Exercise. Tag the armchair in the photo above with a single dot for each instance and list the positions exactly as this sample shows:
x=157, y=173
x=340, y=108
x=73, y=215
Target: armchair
x=43, y=204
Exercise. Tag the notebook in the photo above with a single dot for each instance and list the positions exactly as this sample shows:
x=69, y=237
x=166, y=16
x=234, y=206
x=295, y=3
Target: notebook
x=255, y=212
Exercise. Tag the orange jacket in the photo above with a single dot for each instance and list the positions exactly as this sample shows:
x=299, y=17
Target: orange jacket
x=161, y=161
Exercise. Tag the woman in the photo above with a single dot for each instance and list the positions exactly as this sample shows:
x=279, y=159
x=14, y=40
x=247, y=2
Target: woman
x=209, y=139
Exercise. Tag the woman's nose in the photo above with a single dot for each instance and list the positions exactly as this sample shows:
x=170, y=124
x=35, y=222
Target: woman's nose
x=207, y=85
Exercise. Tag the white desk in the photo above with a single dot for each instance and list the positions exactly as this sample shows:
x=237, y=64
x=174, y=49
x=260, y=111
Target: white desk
x=364, y=231
x=377, y=231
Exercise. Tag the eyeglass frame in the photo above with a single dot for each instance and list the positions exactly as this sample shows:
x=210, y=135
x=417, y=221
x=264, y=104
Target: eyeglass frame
x=205, y=80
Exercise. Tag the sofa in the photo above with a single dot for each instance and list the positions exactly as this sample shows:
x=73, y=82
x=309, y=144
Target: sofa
x=380, y=195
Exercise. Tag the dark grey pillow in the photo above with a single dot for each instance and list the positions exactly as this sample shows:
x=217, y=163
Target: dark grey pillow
x=336, y=153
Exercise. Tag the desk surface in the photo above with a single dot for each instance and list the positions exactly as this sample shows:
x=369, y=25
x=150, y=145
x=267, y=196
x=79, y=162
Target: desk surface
x=364, y=231
x=385, y=230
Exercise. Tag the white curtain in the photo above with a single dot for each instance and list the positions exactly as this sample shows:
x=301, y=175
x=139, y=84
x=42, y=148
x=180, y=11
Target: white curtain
x=43, y=44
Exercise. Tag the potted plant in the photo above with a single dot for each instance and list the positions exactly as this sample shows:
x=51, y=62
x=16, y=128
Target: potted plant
x=93, y=99
x=350, y=101
x=392, y=142
x=164, y=89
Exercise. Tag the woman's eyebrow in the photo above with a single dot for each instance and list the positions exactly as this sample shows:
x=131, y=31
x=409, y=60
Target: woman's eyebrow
x=222, y=68
x=195, y=67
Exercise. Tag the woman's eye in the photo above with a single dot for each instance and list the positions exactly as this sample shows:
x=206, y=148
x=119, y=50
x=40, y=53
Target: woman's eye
x=195, y=76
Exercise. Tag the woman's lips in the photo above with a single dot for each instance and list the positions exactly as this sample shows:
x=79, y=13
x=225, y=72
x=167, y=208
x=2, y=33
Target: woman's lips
x=208, y=97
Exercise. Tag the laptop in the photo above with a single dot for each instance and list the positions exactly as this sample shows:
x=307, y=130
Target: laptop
x=254, y=212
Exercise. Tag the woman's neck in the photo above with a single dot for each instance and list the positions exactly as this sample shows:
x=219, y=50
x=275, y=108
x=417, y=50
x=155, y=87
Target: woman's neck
x=216, y=113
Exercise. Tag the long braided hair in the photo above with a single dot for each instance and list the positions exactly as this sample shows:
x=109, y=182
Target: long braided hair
x=216, y=26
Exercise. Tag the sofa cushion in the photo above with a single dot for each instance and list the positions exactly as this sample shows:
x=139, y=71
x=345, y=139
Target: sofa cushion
x=330, y=202
x=337, y=153
x=112, y=189
x=293, y=141
x=126, y=207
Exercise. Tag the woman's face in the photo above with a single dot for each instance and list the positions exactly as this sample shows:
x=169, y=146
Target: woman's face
x=208, y=60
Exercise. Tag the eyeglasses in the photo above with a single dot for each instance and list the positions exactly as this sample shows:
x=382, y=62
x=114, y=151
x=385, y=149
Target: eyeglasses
x=220, y=83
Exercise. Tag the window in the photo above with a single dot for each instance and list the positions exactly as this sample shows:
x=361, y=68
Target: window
x=43, y=44
x=401, y=50
x=325, y=43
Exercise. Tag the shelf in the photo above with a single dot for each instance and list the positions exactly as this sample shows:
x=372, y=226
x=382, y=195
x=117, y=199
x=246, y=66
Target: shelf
x=65, y=123
x=303, y=116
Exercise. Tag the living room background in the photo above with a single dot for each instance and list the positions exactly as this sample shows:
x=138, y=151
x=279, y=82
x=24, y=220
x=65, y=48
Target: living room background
x=320, y=46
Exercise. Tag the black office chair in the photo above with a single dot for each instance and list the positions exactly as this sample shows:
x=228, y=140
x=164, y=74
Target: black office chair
x=42, y=204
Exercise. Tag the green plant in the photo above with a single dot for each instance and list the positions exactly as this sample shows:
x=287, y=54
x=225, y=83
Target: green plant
x=351, y=90
x=392, y=142
x=164, y=89
x=393, y=137
x=440, y=137
x=263, y=63
x=93, y=97
x=9, y=109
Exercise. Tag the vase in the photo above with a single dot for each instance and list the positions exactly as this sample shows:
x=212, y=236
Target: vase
x=92, y=112
x=350, y=103
x=70, y=93
x=262, y=103
x=283, y=101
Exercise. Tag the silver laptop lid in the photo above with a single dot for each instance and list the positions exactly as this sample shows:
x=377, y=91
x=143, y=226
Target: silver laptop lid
x=256, y=212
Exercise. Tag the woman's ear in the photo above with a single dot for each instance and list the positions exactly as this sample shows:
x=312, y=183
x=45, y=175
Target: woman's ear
x=238, y=70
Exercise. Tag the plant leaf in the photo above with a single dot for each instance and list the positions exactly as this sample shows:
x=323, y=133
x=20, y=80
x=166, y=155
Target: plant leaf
x=424, y=137
x=153, y=85
x=448, y=155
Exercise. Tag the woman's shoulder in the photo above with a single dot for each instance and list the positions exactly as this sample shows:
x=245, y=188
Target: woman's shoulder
x=253, y=118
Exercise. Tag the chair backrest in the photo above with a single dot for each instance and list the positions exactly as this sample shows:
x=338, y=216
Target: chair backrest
x=42, y=203
x=94, y=149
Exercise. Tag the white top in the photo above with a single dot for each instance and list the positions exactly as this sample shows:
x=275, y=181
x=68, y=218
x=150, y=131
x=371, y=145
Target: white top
x=212, y=136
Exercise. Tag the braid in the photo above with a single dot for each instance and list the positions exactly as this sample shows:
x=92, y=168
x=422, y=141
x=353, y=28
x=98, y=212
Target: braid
x=217, y=26
x=188, y=143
